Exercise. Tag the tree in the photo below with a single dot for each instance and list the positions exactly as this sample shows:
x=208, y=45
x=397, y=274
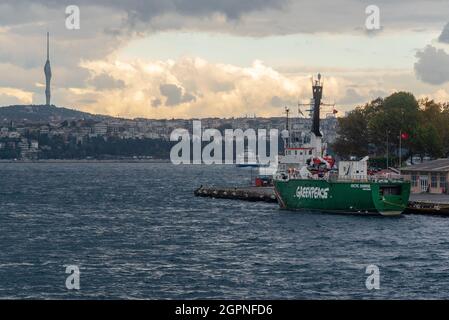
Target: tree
x=352, y=134
x=367, y=129
x=433, y=128
x=398, y=113
x=436, y=115
x=433, y=145
x=445, y=128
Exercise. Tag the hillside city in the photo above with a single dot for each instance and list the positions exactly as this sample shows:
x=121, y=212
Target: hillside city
x=114, y=138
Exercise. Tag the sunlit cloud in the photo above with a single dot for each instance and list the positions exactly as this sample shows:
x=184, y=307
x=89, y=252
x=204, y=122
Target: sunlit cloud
x=194, y=87
x=163, y=59
x=20, y=95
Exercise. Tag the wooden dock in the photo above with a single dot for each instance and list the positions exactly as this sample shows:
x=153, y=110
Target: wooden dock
x=430, y=204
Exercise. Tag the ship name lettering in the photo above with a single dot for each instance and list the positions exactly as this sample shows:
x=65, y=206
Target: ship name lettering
x=312, y=193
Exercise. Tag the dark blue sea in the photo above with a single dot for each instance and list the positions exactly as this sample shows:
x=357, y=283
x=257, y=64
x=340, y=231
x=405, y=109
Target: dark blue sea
x=136, y=231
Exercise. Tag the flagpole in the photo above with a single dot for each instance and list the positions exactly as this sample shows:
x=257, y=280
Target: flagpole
x=387, y=149
x=400, y=147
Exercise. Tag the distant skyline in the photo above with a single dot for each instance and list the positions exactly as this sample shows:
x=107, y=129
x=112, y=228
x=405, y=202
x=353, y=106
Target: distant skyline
x=182, y=59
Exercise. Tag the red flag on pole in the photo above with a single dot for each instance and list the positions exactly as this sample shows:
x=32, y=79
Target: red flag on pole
x=404, y=136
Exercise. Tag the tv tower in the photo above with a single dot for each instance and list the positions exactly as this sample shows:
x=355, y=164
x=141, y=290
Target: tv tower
x=47, y=71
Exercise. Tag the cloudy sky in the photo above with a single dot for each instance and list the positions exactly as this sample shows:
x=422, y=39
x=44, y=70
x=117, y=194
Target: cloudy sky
x=199, y=58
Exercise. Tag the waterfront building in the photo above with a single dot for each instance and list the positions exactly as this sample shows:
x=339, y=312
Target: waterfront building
x=100, y=128
x=13, y=135
x=431, y=176
x=28, y=149
x=85, y=131
x=4, y=132
x=44, y=130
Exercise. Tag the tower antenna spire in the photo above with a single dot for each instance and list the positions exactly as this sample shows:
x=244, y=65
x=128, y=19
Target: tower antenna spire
x=47, y=71
x=48, y=45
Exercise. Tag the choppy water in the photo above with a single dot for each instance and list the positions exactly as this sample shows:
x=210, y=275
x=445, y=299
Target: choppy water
x=137, y=231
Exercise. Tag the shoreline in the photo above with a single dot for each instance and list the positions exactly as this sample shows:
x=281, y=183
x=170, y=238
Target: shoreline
x=87, y=161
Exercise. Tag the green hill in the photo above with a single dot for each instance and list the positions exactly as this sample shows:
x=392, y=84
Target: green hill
x=44, y=113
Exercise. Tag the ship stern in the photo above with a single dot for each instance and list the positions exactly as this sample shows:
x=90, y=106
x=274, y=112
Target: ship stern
x=391, y=199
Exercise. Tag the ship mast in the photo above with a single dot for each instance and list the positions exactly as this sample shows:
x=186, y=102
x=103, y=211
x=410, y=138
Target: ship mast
x=317, y=87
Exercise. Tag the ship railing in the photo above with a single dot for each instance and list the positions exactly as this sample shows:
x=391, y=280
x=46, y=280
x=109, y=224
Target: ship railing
x=336, y=178
x=388, y=178
x=369, y=178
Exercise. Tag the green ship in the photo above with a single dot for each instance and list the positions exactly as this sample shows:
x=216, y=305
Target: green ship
x=385, y=198
x=308, y=179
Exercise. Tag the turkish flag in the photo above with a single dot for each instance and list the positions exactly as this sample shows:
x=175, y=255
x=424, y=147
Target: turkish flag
x=404, y=136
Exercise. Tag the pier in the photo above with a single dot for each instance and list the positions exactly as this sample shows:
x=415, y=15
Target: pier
x=423, y=203
x=249, y=193
x=427, y=203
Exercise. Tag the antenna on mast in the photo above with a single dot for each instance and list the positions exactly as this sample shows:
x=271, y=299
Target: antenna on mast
x=299, y=108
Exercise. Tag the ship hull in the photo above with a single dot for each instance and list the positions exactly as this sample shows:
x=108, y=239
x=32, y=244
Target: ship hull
x=385, y=198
